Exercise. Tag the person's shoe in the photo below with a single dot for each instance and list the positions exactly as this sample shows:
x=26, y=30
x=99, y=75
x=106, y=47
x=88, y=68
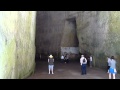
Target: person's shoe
x=52, y=73
x=48, y=73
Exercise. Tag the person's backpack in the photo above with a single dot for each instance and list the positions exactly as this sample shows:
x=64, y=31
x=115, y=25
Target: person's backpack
x=84, y=60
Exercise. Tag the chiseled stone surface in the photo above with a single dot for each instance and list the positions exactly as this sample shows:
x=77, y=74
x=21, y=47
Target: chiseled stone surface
x=17, y=44
x=98, y=34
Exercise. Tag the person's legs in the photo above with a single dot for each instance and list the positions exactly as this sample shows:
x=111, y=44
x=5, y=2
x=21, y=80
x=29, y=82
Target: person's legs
x=61, y=60
x=90, y=63
x=113, y=75
x=85, y=67
x=82, y=72
x=49, y=69
x=108, y=68
x=109, y=75
x=67, y=60
x=110, y=72
x=52, y=68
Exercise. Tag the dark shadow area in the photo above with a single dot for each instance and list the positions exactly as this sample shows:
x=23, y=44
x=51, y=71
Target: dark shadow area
x=41, y=54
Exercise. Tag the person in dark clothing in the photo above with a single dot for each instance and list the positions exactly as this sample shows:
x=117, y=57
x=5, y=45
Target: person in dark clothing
x=66, y=58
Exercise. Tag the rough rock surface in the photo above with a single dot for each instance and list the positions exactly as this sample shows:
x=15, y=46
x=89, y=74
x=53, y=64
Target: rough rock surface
x=17, y=44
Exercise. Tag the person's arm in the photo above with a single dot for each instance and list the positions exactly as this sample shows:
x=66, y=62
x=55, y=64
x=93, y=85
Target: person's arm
x=53, y=60
x=81, y=61
x=48, y=60
x=115, y=70
x=91, y=58
x=115, y=64
x=86, y=60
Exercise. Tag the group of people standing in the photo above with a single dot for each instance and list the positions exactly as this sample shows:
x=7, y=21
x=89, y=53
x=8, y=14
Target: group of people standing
x=111, y=69
x=65, y=58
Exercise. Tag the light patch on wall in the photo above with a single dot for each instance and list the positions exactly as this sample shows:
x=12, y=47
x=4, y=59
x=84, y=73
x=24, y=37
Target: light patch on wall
x=73, y=50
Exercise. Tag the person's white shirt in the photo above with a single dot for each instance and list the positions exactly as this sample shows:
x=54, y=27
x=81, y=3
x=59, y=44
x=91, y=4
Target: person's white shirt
x=90, y=58
x=81, y=60
x=62, y=57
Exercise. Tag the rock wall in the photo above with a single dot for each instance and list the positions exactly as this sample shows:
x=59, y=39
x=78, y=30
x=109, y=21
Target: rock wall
x=98, y=34
x=112, y=41
x=17, y=44
x=92, y=30
x=49, y=27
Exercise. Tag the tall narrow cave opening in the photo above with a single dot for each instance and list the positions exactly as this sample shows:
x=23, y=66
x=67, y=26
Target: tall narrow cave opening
x=70, y=43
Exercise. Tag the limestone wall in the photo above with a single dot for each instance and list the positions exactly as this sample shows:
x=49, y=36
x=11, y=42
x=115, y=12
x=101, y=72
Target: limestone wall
x=49, y=31
x=17, y=44
x=92, y=30
x=98, y=34
x=113, y=37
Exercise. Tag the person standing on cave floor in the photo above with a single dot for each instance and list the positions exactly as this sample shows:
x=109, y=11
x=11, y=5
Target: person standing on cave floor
x=50, y=64
x=108, y=64
x=112, y=69
x=83, y=63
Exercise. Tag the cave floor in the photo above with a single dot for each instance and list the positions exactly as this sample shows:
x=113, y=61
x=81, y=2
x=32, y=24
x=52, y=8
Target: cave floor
x=67, y=71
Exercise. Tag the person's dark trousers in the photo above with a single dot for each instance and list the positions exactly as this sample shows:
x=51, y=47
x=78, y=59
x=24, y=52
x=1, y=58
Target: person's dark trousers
x=83, y=69
x=62, y=60
x=67, y=60
x=108, y=67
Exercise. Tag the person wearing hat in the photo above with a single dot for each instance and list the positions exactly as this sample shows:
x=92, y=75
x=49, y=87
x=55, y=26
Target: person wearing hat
x=51, y=64
x=83, y=63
